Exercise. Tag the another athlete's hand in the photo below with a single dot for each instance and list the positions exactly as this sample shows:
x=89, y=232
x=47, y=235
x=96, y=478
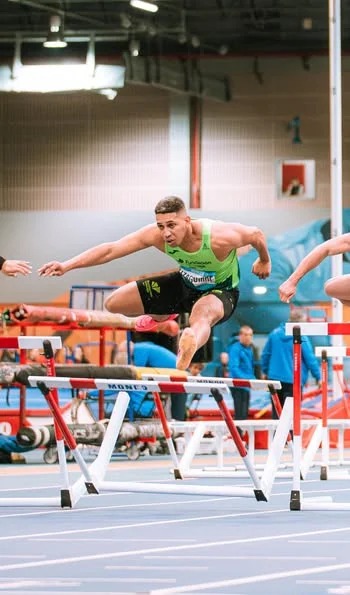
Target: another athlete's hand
x=12, y=268
x=52, y=269
x=287, y=290
x=261, y=269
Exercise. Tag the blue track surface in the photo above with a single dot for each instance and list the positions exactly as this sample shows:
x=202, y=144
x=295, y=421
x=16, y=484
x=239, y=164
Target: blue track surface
x=162, y=544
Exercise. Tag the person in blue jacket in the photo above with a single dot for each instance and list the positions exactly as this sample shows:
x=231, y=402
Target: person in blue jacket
x=150, y=355
x=241, y=365
x=277, y=359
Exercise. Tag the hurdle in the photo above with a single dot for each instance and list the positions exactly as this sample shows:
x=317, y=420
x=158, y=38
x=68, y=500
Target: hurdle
x=256, y=491
x=269, y=470
x=297, y=502
x=324, y=353
x=69, y=495
x=64, y=500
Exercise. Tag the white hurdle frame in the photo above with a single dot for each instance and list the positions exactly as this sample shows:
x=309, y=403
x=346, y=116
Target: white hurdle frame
x=297, y=502
x=26, y=342
x=256, y=491
x=270, y=469
x=69, y=495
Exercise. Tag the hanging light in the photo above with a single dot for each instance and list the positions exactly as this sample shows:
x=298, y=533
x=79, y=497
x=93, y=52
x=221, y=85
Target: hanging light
x=55, y=37
x=134, y=47
x=144, y=5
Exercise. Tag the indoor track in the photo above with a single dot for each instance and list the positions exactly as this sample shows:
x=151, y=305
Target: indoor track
x=159, y=544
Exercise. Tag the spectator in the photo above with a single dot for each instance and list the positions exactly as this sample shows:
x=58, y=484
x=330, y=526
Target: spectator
x=277, y=359
x=222, y=368
x=241, y=365
x=9, y=355
x=68, y=354
x=35, y=357
x=79, y=356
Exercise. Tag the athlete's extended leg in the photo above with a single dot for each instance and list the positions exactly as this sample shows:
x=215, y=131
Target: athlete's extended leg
x=206, y=312
x=339, y=288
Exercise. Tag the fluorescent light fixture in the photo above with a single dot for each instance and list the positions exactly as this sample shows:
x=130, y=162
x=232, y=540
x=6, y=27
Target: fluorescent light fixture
x=55, y=38
x=259, y=290
x=109, y=93
x=56, y=78
x=143, y=5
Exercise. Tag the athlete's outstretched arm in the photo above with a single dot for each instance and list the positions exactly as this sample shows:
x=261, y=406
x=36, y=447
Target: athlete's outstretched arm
x=139, y=240
x=331, y=247
x=236, y=235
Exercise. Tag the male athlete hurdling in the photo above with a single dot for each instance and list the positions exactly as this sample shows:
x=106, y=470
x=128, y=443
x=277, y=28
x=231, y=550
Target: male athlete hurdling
x=205, y=286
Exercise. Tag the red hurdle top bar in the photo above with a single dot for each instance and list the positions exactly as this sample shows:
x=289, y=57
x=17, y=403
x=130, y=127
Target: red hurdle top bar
x=235, y=382
x=319, y=328
x=29, y=342
x=125, y=385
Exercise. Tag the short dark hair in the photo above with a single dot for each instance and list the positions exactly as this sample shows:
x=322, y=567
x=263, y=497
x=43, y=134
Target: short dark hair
x=169, y=204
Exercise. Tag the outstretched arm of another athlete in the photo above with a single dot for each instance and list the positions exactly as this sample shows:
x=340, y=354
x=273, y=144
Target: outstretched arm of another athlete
x=139, y=240
x=331, y=247
x=12, y=268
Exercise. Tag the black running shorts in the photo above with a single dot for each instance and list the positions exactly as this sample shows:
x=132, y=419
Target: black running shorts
x=168, y=294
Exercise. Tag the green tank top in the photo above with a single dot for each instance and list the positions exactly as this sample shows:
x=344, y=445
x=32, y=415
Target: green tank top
x=201, y=270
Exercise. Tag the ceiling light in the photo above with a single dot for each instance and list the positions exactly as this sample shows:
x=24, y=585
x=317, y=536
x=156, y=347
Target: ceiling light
x=307, y=24
x=223, y=49
x=109, y=93
x=134, y=47
x=195, y=41
x=56, y=78
x=55, y=37
x=259, y=290
x=143, y=5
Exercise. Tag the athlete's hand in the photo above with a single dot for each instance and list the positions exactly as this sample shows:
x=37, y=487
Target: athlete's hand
x=261, y=269
x=52, y=269
x=287, y=290
x=12, y=268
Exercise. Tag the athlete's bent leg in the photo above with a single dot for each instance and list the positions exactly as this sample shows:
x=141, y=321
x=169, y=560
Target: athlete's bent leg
x=126, y=300
x=206, y=312
x=339, y=288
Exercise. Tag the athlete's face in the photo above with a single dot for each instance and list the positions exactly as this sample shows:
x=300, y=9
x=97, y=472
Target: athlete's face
x=173, y=227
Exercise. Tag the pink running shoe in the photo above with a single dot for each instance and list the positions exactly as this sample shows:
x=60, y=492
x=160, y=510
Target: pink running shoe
x=146, y=323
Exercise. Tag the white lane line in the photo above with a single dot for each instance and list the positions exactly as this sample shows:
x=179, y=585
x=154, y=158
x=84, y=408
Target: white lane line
x=21, y=556
x=318, y=542
x=144, y=524
x=189, y=557
x=340, y=590
x=181, y=567
x=114, y=506
x=116, y=540
x=174, y=548
x=37, y=583
x=249, y=580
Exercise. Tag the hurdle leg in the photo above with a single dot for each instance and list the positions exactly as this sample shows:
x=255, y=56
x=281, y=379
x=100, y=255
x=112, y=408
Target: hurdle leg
x=192, y=448
x=66, y=501
x=70, y=440
x=225, y=412
x=325, y=435
x=167, y=434
x=277, y=446
x=99, y=466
